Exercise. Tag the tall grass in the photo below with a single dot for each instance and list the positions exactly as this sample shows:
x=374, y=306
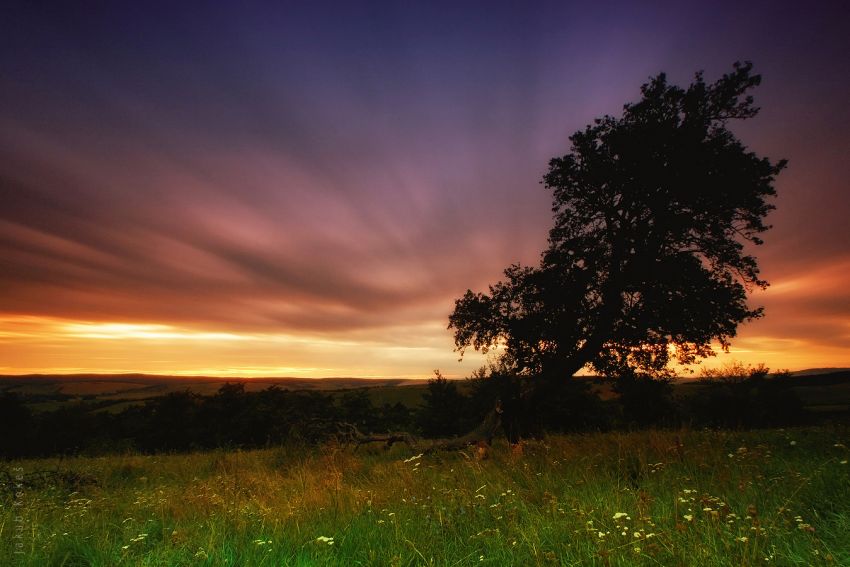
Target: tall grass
x=644, y=498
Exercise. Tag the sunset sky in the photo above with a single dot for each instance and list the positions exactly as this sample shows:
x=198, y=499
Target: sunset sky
x=284, y=190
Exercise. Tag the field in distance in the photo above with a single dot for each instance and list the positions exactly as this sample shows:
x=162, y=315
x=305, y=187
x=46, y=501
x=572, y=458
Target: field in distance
x=821, y=390
x=115, y=392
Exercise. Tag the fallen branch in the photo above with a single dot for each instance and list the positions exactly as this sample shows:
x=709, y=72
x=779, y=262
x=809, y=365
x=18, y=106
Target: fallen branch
x=482, y=436
x=349, y=434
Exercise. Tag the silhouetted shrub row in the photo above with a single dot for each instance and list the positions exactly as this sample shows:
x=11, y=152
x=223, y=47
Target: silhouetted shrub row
x=186, y=421
x=533, y=406
x=183, y=421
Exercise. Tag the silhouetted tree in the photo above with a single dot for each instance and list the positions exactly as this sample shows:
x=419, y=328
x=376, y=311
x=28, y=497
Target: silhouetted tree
x=394, y=417
x=494, y=384
x=356, y=407
x=443, y=412
x=646, y=261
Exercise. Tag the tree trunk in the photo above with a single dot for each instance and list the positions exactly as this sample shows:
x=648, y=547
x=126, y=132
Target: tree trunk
x=484, y=433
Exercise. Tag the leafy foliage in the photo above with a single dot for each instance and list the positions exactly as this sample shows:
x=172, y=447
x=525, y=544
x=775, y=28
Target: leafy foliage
x=646, y=262
x=444, y=412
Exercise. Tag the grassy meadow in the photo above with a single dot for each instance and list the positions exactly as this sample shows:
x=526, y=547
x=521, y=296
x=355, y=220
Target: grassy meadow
x=777, y=497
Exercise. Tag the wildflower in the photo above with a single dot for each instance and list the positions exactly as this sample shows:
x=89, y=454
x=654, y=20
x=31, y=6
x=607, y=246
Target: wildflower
x=413, y=458
x=792, y=443
x=619, y=515
x=325, y=539
x=636, y=549
x=743, y=539
x=688, y=517
x=844, y=462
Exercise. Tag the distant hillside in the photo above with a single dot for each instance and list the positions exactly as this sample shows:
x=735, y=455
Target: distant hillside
x=817, y=371
x=118, y=382
x=824, y=387
x=829, y=378
x=44, y=392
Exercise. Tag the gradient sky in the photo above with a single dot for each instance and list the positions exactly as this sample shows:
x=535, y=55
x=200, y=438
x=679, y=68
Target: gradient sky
x=276, y=189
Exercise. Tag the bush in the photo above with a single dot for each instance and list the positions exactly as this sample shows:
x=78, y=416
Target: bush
x=740, y=396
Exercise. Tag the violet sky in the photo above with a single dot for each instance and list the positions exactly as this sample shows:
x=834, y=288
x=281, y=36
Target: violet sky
x=305, y=188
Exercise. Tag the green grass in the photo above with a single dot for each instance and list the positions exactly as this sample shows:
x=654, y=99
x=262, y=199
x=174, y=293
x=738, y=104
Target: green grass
x=692, y=498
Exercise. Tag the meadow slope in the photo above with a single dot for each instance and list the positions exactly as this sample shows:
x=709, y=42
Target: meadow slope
x=644, y=498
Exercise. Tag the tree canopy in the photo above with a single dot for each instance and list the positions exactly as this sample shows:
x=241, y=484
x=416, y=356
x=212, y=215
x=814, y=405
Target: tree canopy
x=648, y=259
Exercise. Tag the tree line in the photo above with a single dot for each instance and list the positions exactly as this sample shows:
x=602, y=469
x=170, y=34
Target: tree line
x=235, y=418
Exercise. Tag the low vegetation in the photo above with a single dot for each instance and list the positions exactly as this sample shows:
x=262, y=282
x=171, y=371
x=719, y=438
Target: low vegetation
x=240, y=416
x=767, y=497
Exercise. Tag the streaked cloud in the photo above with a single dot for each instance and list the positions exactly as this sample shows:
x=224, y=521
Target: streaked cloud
x=309, y=190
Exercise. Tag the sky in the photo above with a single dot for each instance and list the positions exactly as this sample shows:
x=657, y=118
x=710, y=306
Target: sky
x=304, y=189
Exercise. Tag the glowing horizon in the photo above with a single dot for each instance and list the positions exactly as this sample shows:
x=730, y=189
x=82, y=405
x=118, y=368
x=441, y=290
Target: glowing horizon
x=95, y=343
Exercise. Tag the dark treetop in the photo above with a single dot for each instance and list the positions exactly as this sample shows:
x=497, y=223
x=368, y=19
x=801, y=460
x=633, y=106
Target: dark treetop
x=652, y=212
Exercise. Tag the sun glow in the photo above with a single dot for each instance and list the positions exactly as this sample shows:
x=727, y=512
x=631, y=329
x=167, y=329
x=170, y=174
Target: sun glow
x=47, y=345
x=121, y=331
